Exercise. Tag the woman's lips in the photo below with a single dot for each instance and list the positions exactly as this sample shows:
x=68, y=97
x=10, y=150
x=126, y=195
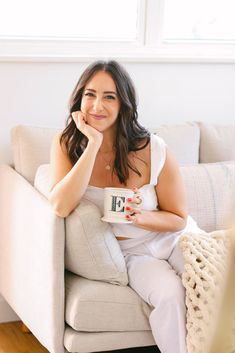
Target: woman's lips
x=98, y=117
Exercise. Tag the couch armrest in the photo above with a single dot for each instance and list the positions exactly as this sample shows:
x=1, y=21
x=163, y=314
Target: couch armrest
x=32, y=258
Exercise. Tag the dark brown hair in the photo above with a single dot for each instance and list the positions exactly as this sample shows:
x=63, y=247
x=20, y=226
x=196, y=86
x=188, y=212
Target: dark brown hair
x=131, y=135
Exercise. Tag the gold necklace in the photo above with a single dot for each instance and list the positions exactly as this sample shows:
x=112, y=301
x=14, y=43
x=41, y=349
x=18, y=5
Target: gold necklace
x=108, y=163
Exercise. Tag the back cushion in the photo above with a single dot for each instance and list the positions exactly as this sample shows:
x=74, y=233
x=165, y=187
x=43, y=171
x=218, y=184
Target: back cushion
x=183, y=140
x=31, y=148
x=217, y=143
x=211, y=194
x=31, y=145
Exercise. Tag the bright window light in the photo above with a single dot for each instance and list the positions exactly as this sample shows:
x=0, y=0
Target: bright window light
x=199, y=20
x=76, y=19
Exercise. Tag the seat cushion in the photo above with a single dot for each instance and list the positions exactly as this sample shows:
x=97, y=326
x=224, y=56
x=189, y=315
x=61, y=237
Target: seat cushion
x=211, y=194
x=98, y=306
x=79, y=341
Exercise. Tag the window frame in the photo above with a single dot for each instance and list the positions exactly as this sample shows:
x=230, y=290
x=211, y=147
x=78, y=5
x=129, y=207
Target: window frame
x=148, y=47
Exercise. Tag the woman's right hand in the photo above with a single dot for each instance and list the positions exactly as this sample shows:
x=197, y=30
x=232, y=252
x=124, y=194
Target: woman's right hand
x=91, y=133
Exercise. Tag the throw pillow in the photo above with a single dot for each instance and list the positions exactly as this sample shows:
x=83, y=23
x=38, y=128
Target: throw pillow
x=92, y=251
x=42, y=181
x=206, y=266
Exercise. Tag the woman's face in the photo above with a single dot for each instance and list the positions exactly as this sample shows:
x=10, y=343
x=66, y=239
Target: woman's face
x=100, y=101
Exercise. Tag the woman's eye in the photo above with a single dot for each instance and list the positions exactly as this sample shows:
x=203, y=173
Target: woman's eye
x=110, y=97
x=89, y=94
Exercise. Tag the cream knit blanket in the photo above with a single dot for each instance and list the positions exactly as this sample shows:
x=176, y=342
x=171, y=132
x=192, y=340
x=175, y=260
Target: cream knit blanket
x=206, y=265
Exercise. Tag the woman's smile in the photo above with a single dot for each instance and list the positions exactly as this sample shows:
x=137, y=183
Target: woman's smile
x=97, y=116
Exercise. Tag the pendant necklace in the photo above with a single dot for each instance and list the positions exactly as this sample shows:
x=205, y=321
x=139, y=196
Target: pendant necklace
x=108, y=163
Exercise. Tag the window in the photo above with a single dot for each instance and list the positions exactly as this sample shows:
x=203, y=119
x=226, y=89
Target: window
x=199, y=20
x=71, y=19
x=133, y=30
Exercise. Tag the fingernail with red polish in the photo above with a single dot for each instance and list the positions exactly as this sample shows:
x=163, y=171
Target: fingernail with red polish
x=129, y=199
x=127, y=216
x=128, y=208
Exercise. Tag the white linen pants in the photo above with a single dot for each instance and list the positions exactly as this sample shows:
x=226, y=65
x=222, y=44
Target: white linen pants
x=156, y=276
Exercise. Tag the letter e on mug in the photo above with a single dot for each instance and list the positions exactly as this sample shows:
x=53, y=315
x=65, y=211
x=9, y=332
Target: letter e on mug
x=115, y=200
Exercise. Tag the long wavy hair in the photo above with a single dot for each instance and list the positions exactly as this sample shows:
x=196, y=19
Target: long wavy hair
x=131, y=135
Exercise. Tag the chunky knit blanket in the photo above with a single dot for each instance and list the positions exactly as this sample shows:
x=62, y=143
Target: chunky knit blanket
x=206, y=266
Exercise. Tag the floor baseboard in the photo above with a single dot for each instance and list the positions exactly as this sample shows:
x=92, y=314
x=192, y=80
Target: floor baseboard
x=6, y=312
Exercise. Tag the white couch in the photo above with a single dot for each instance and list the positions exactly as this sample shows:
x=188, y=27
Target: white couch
x=66, y=278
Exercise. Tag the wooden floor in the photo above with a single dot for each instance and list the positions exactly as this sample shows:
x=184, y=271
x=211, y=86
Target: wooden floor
x=13, y=340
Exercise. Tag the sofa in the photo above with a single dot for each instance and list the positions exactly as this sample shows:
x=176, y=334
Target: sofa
x=66, y=278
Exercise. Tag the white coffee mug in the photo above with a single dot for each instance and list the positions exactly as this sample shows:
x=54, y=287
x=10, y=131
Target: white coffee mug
x=115, y=200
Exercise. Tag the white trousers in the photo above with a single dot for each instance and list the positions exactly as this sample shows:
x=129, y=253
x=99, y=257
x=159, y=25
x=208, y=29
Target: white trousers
x=158, y=281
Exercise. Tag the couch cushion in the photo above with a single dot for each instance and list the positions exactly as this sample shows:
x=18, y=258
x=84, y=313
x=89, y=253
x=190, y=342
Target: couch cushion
x=80, y=341
x=98, y=306
x=217, y=143
x=42, y=181
x=211, y=193
x=91, y=249
x=31, y=148
x=183, y=139
x=31, y=145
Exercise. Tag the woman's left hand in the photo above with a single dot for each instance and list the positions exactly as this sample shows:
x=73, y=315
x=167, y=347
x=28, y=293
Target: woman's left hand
x=133, y=207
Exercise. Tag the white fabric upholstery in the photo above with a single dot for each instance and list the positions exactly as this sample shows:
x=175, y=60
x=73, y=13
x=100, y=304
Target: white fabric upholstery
x=32, y=259
x=89, y=304
x=30, y=148
x=183, y=140
x=83, y=342
x=91, y=249
x=211, y=194
x=217, y=143
x=42, y=179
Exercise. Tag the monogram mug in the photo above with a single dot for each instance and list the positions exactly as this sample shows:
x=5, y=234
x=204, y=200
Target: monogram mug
x=115, y=200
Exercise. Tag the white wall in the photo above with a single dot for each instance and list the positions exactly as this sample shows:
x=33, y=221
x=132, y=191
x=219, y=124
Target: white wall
x=37, y=94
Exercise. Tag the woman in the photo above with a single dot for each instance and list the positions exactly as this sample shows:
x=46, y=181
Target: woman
x=104, y=145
